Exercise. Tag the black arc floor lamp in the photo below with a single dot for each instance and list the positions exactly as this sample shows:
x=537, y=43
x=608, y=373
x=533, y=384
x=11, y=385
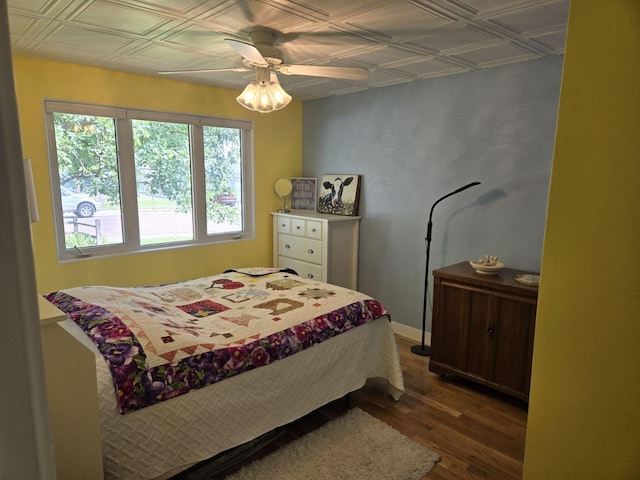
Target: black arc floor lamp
x=422, y=349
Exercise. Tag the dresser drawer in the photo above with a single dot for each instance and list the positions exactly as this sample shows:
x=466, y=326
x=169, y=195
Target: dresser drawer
x=299, y=248
x=284, y=225
x=305, y=270
x=298, y=227
x=314, y=230
x=304, y=228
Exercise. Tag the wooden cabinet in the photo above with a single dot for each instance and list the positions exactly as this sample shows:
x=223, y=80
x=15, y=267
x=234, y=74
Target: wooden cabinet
x=483, y=327
x=318, y=246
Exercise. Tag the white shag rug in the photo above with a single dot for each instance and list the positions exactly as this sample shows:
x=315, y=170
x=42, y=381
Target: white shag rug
x=351, y=447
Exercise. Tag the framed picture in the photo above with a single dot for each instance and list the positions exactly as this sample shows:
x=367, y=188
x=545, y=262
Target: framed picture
x=339, y=194
x=303, y=193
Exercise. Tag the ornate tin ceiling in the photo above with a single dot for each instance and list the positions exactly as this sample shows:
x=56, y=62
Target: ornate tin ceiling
x=397, y=41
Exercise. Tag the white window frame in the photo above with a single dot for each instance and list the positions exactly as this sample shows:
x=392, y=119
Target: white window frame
x=126, y=166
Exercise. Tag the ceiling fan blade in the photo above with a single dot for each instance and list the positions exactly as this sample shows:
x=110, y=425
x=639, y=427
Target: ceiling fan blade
x=206, y=70
x=349, y=73
x=248, y=51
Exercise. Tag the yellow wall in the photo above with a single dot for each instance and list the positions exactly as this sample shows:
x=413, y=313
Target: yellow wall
x=584, y=414
x=277, y=153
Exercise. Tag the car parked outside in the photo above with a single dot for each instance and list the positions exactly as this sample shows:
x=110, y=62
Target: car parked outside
x=81, y=204
x=227, y=199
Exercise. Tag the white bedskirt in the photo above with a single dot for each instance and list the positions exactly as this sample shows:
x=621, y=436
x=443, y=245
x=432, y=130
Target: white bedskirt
x=159, y=441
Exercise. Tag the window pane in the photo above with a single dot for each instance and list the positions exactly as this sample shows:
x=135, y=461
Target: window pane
x=89, y=183
x=163, y=178
x=223, y=179
x=112, y=158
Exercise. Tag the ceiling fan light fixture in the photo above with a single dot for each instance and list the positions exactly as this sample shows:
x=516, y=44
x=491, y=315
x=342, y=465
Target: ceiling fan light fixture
x=264, y=96
x=249, y=96
x=279, y=97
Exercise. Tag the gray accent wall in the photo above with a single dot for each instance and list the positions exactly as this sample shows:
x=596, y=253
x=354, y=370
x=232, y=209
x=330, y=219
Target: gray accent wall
x=416, y=142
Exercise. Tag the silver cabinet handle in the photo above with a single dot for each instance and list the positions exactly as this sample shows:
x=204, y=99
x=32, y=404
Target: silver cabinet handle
x=287, y=246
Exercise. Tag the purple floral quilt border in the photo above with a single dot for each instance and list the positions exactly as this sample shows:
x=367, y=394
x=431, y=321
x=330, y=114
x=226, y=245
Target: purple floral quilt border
x=138, y=386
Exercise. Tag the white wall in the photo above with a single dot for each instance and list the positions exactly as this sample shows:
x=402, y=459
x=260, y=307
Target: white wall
x=25, y=446
x=416, y=142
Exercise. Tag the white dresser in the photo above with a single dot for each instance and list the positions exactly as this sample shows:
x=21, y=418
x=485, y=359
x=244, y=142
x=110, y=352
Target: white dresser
x=318, y=246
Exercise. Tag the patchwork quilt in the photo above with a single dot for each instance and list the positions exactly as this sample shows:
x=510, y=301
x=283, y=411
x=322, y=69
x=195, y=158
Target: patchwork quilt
x=163, y=341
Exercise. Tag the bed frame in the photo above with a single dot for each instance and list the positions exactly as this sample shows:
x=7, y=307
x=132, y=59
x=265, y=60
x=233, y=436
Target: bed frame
x=75, y=427
x=87, y=426
x=284, y=347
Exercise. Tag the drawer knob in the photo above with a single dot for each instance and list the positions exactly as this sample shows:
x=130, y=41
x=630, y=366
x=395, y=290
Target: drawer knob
x=287, y=246
x=313, y=230
x=309, y=275
x=298, y=227
x=284, y=225
x=310, y=251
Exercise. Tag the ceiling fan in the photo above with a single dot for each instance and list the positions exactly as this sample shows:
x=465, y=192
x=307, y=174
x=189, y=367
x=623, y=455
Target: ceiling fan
x=265, y=93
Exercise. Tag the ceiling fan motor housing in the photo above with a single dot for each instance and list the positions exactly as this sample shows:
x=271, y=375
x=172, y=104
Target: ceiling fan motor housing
x=263, y=41
x=263, y=76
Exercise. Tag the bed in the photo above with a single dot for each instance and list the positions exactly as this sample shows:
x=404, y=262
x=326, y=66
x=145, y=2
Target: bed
x=188, y=370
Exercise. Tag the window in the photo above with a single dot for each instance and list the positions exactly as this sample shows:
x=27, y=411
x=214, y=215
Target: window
x=126, y=180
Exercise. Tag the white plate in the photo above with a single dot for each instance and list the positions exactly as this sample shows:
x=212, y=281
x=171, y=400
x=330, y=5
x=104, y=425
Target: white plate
x=528, y=279
x=486, y=269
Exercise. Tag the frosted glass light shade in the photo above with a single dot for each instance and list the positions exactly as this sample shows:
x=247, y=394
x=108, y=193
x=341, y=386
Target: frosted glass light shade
x=264, y=97
x=279, y=98
x=249, y=96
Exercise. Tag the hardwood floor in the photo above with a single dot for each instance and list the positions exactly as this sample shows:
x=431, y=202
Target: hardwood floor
x=478, y=433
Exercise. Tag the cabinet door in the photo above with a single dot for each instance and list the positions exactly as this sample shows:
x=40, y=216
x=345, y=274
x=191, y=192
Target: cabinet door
x=512, y=343
x=459, y=329
x=448, y=337
x=477, y=347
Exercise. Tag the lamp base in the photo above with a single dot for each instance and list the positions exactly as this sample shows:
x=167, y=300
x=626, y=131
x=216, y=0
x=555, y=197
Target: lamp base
x=420, y=350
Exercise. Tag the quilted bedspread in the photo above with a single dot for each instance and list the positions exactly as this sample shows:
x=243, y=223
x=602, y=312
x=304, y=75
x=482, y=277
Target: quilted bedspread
x=163, y=341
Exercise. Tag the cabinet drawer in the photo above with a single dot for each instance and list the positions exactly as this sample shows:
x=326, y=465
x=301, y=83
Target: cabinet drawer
x=300, y=248
x=305, y=270
x=314, y=229
x=298, y=227
x=284, y=225
x=303, y=228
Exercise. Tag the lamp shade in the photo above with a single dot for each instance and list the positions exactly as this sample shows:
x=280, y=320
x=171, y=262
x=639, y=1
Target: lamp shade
x=279, y=98
x=249, y=96
x=264, y=95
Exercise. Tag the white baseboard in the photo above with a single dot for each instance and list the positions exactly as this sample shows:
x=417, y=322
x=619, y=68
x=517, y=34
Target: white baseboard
x=411, y=333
